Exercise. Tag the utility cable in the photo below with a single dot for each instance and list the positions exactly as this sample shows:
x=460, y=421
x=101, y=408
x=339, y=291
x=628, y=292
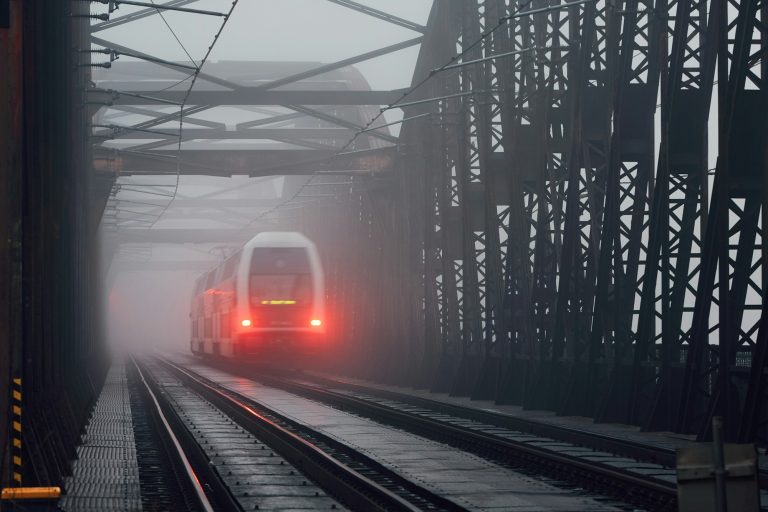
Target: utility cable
x=174, y=34
x=176, y=83
x=283, y=203
x=195, y=75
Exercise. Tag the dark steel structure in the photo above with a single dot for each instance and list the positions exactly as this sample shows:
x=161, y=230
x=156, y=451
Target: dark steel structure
x=571, y=217
x=50, y=338
x=552, y=233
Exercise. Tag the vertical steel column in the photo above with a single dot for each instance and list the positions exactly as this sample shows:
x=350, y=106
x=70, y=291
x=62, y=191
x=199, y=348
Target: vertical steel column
x=483, y=285
x=677, y=211
x=427, y=160
x=431, y=145
x=633, y=82
x=515, y=172
x=570, y=322
x=450, y=250
x=554, y=35
x=11, y=137
x=732, y=261
x=47, y=239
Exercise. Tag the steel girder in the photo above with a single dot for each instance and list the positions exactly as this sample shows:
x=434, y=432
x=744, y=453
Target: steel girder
x=262, y=162
x=676, y=219
x=50, y=330
x=569, y=259
x=246, y=96
x=723, y=365
x=306, y=113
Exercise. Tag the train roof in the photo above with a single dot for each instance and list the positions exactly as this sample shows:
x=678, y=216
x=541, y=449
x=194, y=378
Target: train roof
x=279, y=239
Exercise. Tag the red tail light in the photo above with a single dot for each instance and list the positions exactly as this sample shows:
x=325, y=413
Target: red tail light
x=245, y=323
x=315, y=322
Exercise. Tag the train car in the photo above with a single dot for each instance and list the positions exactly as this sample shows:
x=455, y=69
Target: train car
x=266, y=299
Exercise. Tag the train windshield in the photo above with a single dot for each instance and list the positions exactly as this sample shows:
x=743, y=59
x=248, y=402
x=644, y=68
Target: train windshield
x=280, y=276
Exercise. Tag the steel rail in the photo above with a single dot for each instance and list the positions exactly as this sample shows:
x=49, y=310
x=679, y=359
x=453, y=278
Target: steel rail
x=352, y=488
x=468, y=438
x=169, y=432
x=595, y=440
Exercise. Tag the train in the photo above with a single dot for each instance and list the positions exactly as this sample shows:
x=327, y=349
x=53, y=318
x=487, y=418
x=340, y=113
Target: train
x=265, y=299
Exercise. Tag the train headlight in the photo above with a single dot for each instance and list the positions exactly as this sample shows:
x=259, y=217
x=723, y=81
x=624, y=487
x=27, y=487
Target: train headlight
x=315, y=322
x=245, y=323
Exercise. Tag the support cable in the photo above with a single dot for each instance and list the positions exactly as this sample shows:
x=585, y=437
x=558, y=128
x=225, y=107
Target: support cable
x=174, y=34
x=184, y=102
x=195, y=71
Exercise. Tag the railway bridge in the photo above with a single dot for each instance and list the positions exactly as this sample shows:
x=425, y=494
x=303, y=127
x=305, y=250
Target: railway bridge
x=540, y=223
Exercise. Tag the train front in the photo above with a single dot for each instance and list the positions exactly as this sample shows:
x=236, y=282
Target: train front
x=281, y=298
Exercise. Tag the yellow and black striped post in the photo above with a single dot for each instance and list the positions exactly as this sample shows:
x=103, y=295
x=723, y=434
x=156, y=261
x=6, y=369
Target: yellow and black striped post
x=16, y=431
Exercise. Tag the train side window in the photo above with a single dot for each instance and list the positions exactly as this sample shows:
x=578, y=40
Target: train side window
x=210, y=279
x=231, y=265
x=225, y=327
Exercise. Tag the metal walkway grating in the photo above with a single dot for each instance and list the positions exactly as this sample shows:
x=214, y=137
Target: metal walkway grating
x=105, y=475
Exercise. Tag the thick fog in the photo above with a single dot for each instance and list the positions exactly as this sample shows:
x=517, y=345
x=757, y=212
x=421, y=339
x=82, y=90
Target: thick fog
x=149, y=278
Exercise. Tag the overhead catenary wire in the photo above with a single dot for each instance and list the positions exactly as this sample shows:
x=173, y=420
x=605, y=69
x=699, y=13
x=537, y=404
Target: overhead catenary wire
x=173, y=33
x=404, y=120
x=176, y=83
x=196, y=69
x=195, y=75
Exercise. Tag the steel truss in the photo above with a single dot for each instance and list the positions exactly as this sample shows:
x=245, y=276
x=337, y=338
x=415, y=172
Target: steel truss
x=572, y=247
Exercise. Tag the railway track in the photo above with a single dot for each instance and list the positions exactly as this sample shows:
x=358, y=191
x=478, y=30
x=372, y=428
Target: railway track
x=575, y=457
x=638, y=451
x=202, y=411
x=202, y=492
x=596, y=441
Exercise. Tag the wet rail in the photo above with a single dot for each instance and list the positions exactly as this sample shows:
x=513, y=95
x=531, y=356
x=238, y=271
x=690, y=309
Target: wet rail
x=639, y=451
x=614, y=467
x=198, y=481
x=594, y=440
x=352, y=478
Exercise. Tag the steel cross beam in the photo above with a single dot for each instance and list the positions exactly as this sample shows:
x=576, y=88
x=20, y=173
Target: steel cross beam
x=339, y=64
x=370, y=11
x=262, y=162
x=252, y=96
x=163, y=63
x=129, y=109
x=338, y=134
x=134, y=16
x=313, y=112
